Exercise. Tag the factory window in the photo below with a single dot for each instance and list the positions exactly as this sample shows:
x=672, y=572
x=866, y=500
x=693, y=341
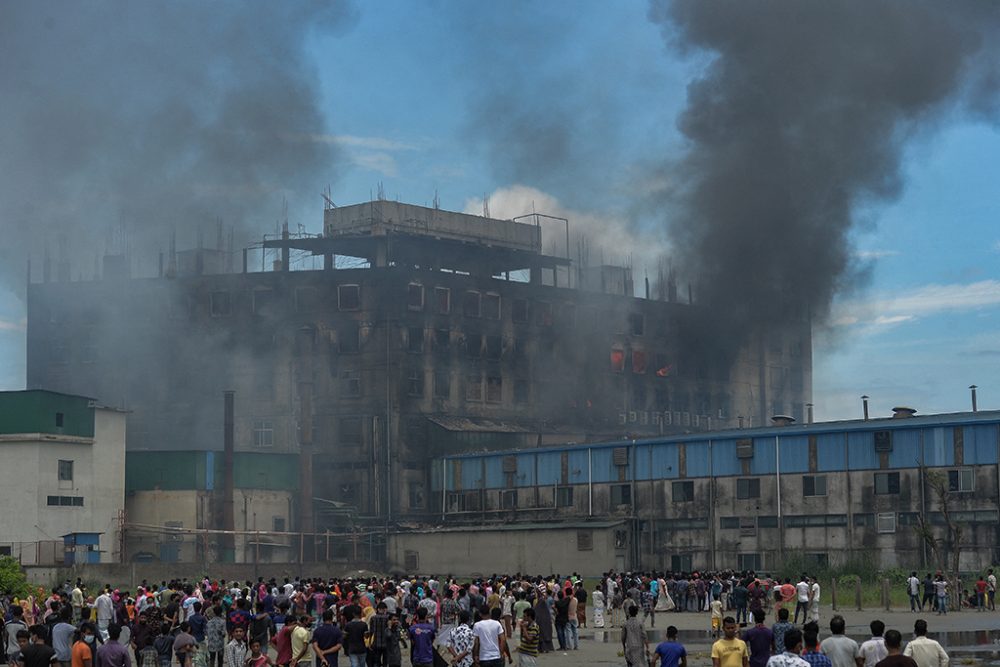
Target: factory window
x=863, y=520
x=349, y=297
x=814, y=485
x=748, y=526
x=494, y=348
x=415, y=296
x=682, y=492
x=416, y=493
x=263, y=433
x=681, y=563
x=636, y=324
x=815, y=559
x=278, y=524
x=621, y=494
x=617, y=359
x=961, y=481
x=508, y=499
x=543, y=314
x=521, y=390
x=6, y=551
x=564, y=496
x=747, y=487
x=494, y=389
x=474, y=344
x=60, y=419
x=349, y=339
x=350, y=383
x=306, y=299
x=261, y=299
x=491, y=306
x=886, y=522
x=220, y=303
x=584, y=540
x=349, y=430
x=65, y=471
x=65, y=501
x=519, y=310
x=442, y=299
x=816, y=520
x=767, y=521
x=442, y=339
x=749, y=562
x=415, y=340
x=886, y=483
x=442, y=384
x=474, y=387
x=638, y=361
x=411, y=560
x=729, y=522
x=415, y=383
x=348, y=492
x=471, y=306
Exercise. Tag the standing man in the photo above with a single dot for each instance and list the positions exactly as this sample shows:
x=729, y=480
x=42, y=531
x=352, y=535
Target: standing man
x=814, y=600
x=801, y=600
x=789, y=657
x=913, y=589
x=730, y=651
x=105, y=608
x=928, y=601
x=76, y=599
x=111, y=653
x=841, y=649
x=62, y=637
x=327, y=640
x=421, y=642
x=811, y=652
x=894, y=645
x=759, y=639
x=991, y=589
x=490, y=647
x=925, y=651
x=671, y=653
x=874, y=651
x=530, y=633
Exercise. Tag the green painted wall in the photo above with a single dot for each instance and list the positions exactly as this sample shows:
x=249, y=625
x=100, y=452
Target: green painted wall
x=35, y=410
x=174, y=471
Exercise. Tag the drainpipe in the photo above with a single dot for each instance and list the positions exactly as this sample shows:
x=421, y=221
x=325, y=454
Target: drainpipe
x=590, y=482
x=777, y=478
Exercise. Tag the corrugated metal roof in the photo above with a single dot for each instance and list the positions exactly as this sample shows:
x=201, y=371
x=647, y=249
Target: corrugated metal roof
x=846, y=426
x=470, y=425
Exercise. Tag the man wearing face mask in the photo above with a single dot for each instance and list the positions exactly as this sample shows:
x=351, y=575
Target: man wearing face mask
x=81, y=654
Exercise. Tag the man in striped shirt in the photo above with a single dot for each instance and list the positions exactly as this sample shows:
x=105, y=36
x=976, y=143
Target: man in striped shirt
x=528, y=650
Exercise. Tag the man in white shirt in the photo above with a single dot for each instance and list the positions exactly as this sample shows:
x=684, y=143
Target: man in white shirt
x=913, y=590
x=924, y=651
x=874, y=650
x=814, y=601
x=491, y=643
x=802, y=600
x=105, y=612
x=991, y=590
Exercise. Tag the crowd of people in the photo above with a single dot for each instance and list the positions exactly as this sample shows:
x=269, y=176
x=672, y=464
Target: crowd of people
x=376, y=621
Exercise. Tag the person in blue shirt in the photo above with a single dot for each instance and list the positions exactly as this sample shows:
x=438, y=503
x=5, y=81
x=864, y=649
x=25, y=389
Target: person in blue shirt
x=670, y=652
x=198, y=622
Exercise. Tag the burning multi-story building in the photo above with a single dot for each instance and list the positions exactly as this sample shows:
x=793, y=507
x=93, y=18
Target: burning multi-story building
x=420, y=333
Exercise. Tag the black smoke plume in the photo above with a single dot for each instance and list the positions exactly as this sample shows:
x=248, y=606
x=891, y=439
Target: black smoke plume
x=123, y=120
x=801, y=114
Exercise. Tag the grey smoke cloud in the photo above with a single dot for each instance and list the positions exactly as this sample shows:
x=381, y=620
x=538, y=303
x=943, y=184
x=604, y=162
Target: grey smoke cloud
x=801, y=114
x=155, y=116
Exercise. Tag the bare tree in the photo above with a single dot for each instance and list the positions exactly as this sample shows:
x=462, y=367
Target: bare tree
x=946, y=549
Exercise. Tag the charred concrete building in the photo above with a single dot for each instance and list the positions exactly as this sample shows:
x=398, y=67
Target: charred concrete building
x=419, y=334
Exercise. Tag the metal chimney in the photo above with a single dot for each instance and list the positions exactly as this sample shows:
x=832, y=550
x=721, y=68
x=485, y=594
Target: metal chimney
x=975, y=406
x=864, y=403
x=809, y=413
x=902, y=412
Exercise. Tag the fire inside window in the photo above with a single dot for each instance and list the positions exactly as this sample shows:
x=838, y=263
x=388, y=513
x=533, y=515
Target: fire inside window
x=617, y=359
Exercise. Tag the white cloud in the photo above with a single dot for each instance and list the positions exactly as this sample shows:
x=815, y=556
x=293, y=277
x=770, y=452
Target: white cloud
x=610, y=237
x=875, y=254
x=370, y=143
x=924, y=301
x=19, y=326
x=380, y=162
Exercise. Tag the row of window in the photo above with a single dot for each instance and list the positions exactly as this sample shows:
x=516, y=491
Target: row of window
x=65, y=501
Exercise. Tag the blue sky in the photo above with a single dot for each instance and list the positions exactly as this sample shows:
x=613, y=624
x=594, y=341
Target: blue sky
x=396, y=92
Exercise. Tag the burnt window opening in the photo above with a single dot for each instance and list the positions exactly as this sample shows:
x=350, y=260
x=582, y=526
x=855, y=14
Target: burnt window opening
x=261, y=300
x=278, y=524
x=415, y=383
x=494, y=389
x=349, y=431
x=621, y=494
x=474, y=387
x=491, y=306
x=349, y=339
x=417, y=495
x=263, y=433
x=350, y=384
x=442, y=339
x=543, y=314
x=508, y=499
x=519, y=310
x=494, y=348
x=520, y=348
x=471, y=304
x=442, y=300
x=639, y=395
x=60, y=420
x=348, y=297
x=962, y=480
x=584, y=540
x=636, y=324
x=564, y=496
x=65, y=471
x=220, y=303
x=474, y=345
x=617, y=359
x=639, y=361
x=814, y=485
x=306, y=299
x=415, y=340
x=348, y=492
x=415, y=296
x=442, y=384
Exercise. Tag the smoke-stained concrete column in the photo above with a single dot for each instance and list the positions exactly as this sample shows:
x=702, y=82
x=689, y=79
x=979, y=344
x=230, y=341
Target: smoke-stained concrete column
x=228, y=483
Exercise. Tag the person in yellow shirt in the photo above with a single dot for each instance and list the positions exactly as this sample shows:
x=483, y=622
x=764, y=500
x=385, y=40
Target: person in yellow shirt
x=301, y=643
x=730, y=651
